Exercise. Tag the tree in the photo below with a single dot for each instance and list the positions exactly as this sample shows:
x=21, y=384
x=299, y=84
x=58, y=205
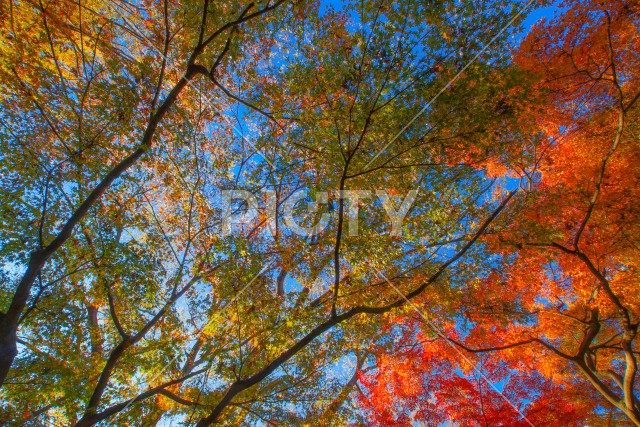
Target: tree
x=568, y=255
x=90, y=65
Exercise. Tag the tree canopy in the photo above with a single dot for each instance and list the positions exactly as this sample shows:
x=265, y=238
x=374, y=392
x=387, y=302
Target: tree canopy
x=319, y=213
